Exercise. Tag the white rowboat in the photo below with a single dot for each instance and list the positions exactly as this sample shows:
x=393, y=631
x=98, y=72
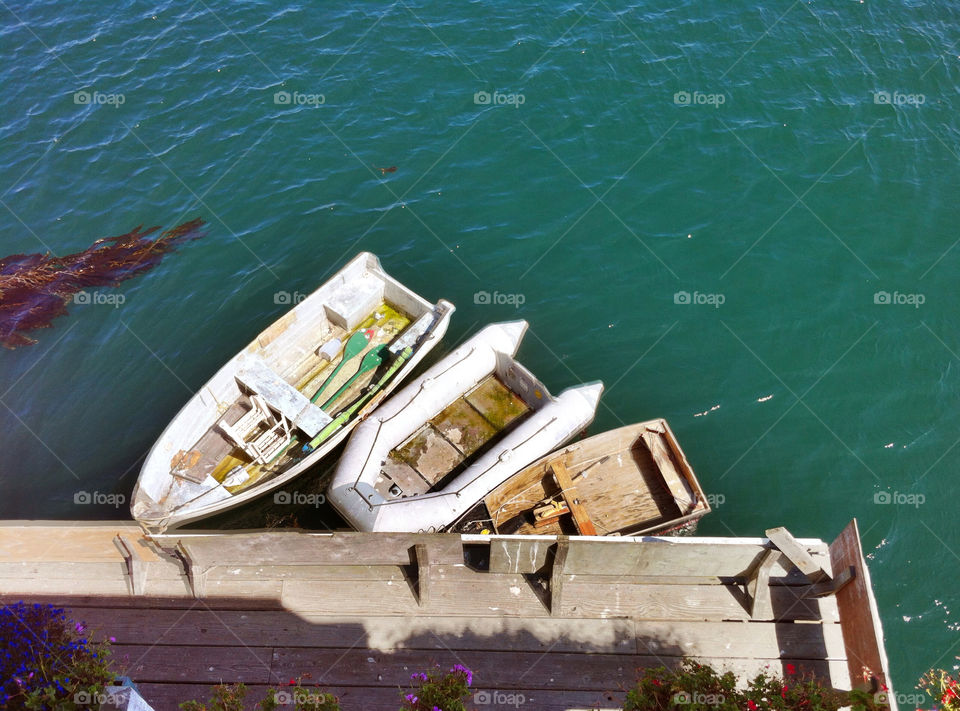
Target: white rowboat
x=286, y=400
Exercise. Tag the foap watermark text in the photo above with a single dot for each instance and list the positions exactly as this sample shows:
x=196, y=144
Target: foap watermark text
x=296, y=98
x=99, y=298
x=98, y=98
x=485, y=98
x=899, y=499
x=302, y=699
x=896, y=98
x=295, y=498
x=287, y=299
x=496, y=298
x=97, y=498
x=686, y=697
x=898, y=299
x=699, y=98
x=697, y=298
x=499, y=698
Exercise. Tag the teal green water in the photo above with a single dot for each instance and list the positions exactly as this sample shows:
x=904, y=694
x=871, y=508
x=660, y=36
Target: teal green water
x=600, y=199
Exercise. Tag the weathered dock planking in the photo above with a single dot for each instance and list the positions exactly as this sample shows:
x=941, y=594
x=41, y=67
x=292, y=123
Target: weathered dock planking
x=564, y=621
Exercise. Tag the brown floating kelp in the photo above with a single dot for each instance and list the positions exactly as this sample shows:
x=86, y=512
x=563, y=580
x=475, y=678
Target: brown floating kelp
x=35, y=288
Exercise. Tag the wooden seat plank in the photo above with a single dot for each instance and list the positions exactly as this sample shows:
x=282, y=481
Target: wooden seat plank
x=572, y=497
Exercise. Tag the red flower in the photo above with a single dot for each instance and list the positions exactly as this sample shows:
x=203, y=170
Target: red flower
x=291, y=682
x=791, y=669
x=656, y=682
x=752, y=706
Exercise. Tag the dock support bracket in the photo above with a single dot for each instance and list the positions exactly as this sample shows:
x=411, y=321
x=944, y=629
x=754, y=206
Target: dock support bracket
x=136, y=566
x=422, y=557
x=196, y=578
x=557, y=574
x=832, y=587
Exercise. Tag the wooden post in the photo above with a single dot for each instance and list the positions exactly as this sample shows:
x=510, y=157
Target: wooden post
x=758, y=585
x=556, y=574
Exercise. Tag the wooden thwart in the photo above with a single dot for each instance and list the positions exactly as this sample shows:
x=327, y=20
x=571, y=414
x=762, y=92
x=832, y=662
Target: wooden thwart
x=570, y=495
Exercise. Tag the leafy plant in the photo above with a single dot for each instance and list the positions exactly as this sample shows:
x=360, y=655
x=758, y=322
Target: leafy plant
x=226, y=697
x=698, y=687
x=303, y=698
x=943, y=686
x=692, y=686
x=231, y=697
x=46, y=663
x=437, y=690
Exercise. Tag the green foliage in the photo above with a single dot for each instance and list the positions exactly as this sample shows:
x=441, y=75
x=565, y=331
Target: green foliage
x=437, y=690
x=231, y=698
x=691, y=687
x=942, y=686
x=47, y=663
x=698, y=687
x=302, y=698
x=226, y=697
x=767, y=691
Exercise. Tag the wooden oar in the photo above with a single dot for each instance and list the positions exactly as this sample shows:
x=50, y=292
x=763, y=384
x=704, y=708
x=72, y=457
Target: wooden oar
x=345, y=416
x=371, y=361
x=355, y=345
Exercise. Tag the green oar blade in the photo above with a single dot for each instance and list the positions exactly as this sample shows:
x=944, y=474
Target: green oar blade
x=371, y=361
x=354, y=347
x=345, y=416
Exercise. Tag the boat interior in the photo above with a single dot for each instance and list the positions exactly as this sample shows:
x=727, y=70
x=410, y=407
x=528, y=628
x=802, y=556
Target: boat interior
x=630, y=486
x=262, y=431
x=461, y=433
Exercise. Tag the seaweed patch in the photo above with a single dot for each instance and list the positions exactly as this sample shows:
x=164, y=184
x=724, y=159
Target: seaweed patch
x=35, y=288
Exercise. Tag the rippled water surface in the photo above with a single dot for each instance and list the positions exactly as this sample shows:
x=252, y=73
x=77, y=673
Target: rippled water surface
x=780, y=166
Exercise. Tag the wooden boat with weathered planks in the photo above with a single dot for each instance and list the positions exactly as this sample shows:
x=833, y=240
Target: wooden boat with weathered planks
x=630, y=481
x=288, y=398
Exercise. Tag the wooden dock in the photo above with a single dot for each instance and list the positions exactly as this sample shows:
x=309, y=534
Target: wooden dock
x=564, y=621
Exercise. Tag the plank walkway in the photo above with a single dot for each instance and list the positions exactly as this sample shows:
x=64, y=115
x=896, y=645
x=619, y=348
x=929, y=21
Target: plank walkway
x=565, y=622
